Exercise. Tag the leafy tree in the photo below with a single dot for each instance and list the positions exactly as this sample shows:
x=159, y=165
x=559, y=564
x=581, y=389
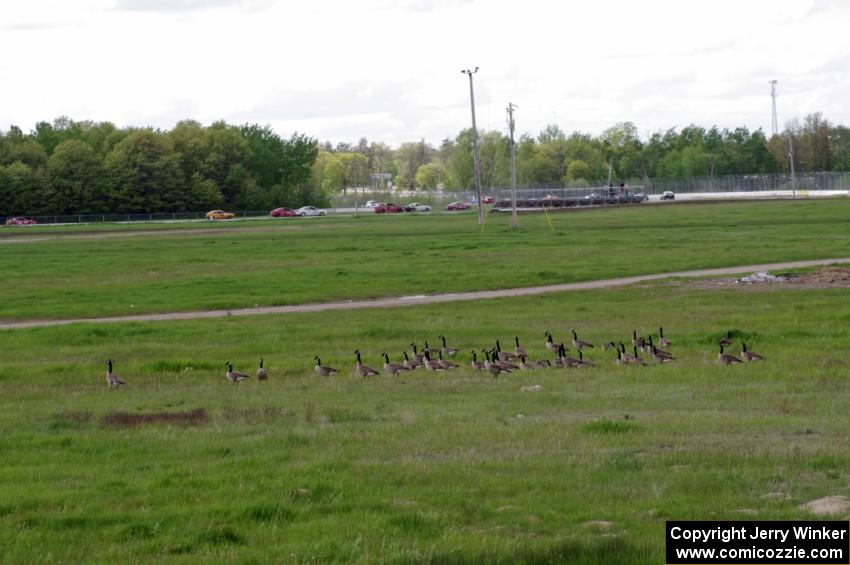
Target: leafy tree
x=22, y=189
x=430, y=176
x=461, y=165
x=145, y=173
x=408, y=158
x=552, y=132
x=76, y=179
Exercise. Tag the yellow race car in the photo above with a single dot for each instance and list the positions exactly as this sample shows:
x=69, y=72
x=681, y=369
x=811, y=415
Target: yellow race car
x=219, y=215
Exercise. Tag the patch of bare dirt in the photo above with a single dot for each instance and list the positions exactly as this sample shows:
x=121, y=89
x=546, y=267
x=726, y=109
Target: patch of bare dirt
x=828, y=277
x=828, y=505
x=129, y=420
x=833, y=276
x=598, y=524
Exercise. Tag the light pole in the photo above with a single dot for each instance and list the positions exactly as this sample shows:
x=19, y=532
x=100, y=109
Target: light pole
x=791, y=162
x=475, y=146
x=511, y=108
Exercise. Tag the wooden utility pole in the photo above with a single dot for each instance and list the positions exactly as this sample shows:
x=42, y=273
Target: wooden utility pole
x=511, y=107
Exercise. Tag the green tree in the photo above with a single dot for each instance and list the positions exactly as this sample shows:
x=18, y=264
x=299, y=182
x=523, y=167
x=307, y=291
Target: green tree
x=76, y=179
x=408, y=158
x=430, y=176
x=460, y=171
x=145, y=174
x=22, y=189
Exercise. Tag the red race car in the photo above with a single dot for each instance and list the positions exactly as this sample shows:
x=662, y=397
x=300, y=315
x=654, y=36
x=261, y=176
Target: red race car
x=20, y=221
x=458, y=206
x=388, y=208
x=282, y=213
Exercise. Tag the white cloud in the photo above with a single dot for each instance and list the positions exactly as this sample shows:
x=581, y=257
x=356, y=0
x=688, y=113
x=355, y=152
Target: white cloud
x=389, y=70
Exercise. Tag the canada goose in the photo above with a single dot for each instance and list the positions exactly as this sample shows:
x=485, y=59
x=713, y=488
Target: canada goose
x=619, y=360
x=504, y=365
x=566, y=360
x=503, y=355
x=543, y=363
x=432, y=365
x=428, y=349
x=579, y=344
x=726, y=358
x=637, y=359
x=524, y=365
x=476, y=364
x=492, y=367
x=416, y=357
x=727, y=341
x=450, y=351
x=655, y=352
x=750, y=356
x=661, y=356
x=584, y=363
x=550, y=343
x=322, y=370
x=445, y=364
x=637, y=341
x=112, y=379
x=392, y=368
x=609, y=346
x=411, y=365
x=363, y=370
x=234, y=376
x=519, y=350
x=262, y=374
x=661, y=339
x=629, y=358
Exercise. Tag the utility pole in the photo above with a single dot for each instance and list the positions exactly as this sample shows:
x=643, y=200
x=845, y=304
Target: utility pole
x=511, y=107
x=774, y=124
x=475, y=146
x=791, y=160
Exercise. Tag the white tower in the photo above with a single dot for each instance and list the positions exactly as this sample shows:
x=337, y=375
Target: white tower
x=774, y=124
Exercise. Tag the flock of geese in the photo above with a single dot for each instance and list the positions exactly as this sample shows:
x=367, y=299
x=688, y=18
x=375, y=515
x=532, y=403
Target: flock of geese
x=497, y=361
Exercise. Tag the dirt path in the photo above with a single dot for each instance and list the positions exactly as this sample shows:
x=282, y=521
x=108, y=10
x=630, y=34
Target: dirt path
x=393, y=302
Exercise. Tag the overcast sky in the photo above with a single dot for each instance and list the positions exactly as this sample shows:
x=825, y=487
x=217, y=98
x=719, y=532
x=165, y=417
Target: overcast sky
x=389, y=70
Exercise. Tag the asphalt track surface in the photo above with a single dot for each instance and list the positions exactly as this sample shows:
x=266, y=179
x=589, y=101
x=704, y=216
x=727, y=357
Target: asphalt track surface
x=401, y=301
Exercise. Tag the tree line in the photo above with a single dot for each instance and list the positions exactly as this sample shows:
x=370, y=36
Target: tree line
x=553, y=158
x=70, y=167
x=82, y=167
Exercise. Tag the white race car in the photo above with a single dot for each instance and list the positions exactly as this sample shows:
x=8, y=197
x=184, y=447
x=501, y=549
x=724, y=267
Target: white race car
x=309, y=211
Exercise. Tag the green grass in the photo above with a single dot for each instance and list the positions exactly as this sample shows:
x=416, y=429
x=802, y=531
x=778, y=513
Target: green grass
x=448, y=468
x=197, y=267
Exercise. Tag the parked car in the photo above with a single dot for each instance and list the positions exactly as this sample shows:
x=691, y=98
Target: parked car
x=668, y=195
x=458, y=206
x=371, y=203
x=20, y=221
x=488, y=200
x=282, y=212
x=309, y=211
x=417, y=207
x=388, y=208
x=219, y=215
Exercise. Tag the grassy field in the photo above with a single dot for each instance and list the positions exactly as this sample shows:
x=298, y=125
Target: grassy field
x=200, y=266
x=446, y=468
